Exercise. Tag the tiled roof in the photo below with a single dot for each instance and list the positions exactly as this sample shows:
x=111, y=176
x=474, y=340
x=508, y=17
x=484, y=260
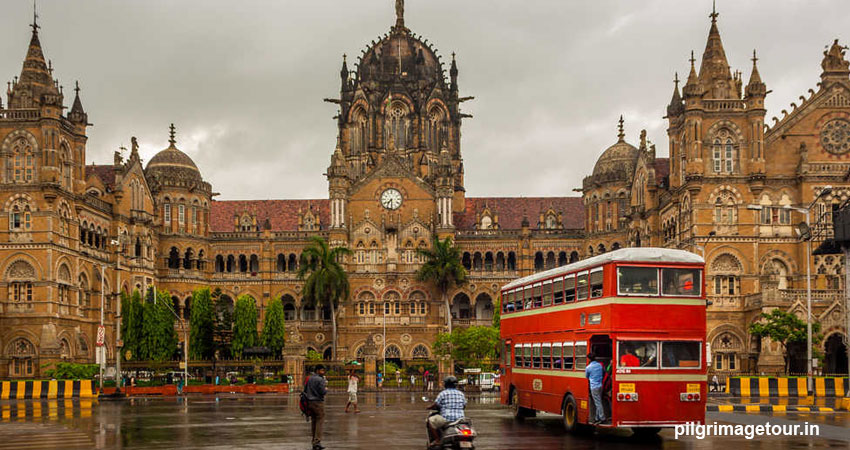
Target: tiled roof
x=282, y=214
x=512, y=209
x=662, y=168
x=105, y=172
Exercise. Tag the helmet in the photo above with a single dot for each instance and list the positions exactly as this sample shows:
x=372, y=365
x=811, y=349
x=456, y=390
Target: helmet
x=450, y=382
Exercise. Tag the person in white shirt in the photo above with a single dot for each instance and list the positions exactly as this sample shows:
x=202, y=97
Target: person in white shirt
x=353, y=379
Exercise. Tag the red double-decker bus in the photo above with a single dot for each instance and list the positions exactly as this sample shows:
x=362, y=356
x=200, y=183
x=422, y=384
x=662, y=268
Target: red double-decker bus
x=639, y=310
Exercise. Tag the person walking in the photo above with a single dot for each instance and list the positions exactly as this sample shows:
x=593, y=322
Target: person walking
x=353, y=379
x=412, y=382
x=180, y=385
x=380, y=380
x=594, y=373
x=315, y=390
x=715, y=383
x=398, y=378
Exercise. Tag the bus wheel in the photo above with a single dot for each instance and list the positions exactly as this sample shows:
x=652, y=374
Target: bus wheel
x=520, y=413
x=570, y=414
x=645, y=432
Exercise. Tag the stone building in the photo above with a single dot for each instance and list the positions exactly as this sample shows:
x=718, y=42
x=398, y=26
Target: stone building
x=73, y=234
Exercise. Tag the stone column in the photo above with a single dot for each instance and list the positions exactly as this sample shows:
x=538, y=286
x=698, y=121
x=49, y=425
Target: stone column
x=293, y=364
x=445, y=368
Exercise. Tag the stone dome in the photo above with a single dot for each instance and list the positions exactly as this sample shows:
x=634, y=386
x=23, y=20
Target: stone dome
x=418, y=60
x=173, y=165
x=617, y=163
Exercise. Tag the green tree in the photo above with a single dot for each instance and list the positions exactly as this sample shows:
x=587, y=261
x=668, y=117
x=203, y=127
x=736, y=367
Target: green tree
x=313, y=356
x=784, y=328
x=497, y=315
x=274, y=332
x=326, y=282
x=131, y=323
x=244, y=325
x=202, y=325
x=159, y=340
x=442, y=267
x=223, y=323
x=470, y=346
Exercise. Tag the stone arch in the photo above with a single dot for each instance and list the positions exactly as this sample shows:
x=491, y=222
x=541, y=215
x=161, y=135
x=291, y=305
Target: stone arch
x=392, y=351
x=484, y=308
x=461, y=306
x=731, y=251
x=716, y=127
x=732, y=191
x=20, y=198
x=20, y=270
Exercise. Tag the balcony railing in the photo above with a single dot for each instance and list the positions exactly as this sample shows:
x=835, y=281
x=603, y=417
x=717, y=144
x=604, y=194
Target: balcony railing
x=19, y=114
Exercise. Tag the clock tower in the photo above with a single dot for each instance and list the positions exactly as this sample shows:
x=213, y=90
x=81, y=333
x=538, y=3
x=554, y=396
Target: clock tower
x=397, y=169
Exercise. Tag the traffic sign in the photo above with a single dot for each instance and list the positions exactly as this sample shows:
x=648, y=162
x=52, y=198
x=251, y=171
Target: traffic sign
x=101, y=335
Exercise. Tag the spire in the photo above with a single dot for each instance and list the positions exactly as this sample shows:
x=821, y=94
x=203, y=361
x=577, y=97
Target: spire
x=692, y=87
x=453, y=72
x=36, y=80
x=343, y=72
x=77, y=114
x=171, y=135
x=714, y=66
x=675, y=107
x=755, y=88
x=621, y=135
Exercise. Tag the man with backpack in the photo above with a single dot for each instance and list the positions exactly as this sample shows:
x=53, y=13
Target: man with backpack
x=314, y=394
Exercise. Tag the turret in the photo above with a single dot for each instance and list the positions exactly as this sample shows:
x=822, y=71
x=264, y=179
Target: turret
x=676, y=107
x=77, y=114
x=835, y=67
x=756, y=89
x=453, y=73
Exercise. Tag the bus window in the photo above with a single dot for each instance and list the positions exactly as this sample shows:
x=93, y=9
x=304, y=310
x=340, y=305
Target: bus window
x=508, y=302
x=537, y=296
x=546, y=356
x=528, y=297
x=640, y=354
x=570, y=288
x=558, y=287
x=518, y=299
x=581, y=286
x=518, y=355
x=568, y=355
x=526, y=355
x=596, y=278
x=680, y=355
x=637, y=280
x=536, y=356
x=557, y=362
x=681, y=282
x=547, y=293
x=581, y=355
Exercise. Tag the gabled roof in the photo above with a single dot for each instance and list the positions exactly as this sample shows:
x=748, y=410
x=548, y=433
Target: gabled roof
x=281, y=214
x=105, y=172
x=662, y=168
x=511, y=211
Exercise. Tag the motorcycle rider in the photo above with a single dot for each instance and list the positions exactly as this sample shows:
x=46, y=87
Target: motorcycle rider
x=450, y=404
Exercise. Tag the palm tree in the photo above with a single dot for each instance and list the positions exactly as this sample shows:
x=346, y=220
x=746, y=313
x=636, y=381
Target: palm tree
x=443, y=267
x=326, y=280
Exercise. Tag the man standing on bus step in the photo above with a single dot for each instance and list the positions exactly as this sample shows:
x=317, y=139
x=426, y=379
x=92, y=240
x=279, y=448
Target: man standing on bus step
x=595, y=373
x=315, y=390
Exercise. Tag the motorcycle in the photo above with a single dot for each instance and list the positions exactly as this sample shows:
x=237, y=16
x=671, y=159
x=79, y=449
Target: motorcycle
x=454, y=435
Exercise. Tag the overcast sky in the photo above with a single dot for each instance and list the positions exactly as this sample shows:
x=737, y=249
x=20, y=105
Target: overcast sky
x=244, y=80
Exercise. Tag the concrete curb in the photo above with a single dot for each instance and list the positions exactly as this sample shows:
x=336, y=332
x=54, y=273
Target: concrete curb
x=767, y=408
x=844, y=404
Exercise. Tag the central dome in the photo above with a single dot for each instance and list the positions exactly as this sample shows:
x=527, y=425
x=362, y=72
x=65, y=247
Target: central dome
x=172, y=166
x=400, y=53
x=617, y=162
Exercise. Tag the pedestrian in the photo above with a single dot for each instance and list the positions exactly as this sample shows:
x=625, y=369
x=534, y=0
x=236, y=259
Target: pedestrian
x=430, y=382
x=398, y=378
x=715, y=383
x=380, y=380
x=180, y=385
x=594, y=373
x=412, y=382
x=315, y=390
x=424, y=379
x=353, y=379
x=217, y=379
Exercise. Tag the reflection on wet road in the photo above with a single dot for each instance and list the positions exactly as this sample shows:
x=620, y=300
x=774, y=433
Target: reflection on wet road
x=388, y=421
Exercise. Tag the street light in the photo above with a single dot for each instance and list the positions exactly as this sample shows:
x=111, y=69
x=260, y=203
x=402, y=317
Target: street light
x=807, y=211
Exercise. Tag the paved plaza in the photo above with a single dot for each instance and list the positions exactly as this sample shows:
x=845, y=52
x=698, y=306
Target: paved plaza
x=388, y=421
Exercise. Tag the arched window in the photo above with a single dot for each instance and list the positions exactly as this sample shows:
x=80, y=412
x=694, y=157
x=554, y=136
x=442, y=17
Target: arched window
x=392, y=352
x=727, y=275
x=293, y=262
x=20, y=216
x=243, y=263
x=231, y=264
x=281, y=262
x=574, y=257
x=562, y=259
x=420, y=352
x=20, y=276
x=538, y=261
x=397, y=126
x=466, y=260
x=255, y=264
x=84, y=295
x=187, y=258
x=174, y=258
x=359, y=132
x=22, y=354
x=511, y=261
x=488, y=261
x=550, y=260
x=723, y=152
x=725, y=211
x=219, y=263
x=22, y=161
x=500, y=261
x=288, y=307
x=434, y=129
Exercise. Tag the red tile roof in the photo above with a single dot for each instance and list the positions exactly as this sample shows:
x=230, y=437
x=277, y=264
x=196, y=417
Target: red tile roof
x=662, y=169
x=512, y=209
x=282, y=214
x=106, y=173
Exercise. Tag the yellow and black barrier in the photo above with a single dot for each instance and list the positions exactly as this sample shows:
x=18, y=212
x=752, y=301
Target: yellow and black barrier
x=767, y=408
x=37, y=389
x=784, y=386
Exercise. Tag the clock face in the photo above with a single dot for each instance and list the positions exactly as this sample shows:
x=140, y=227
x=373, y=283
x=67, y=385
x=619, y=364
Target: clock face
x=391, y=199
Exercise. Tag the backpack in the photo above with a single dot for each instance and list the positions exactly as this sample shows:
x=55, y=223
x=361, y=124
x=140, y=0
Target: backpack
x=302, y=402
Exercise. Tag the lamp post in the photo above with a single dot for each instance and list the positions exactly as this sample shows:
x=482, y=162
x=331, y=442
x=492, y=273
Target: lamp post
x=807, y=212
x=185, y=340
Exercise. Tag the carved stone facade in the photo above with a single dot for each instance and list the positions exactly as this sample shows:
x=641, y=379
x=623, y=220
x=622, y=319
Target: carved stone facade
x=73, y=233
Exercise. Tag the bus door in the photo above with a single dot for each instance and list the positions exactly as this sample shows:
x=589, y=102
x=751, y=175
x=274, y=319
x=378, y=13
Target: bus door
x=602, y=347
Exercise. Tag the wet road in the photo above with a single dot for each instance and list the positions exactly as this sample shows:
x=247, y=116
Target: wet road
x=388, y=421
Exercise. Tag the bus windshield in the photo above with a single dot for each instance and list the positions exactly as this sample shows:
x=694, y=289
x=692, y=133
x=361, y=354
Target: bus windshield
x=638, y=280
x=674, y=354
